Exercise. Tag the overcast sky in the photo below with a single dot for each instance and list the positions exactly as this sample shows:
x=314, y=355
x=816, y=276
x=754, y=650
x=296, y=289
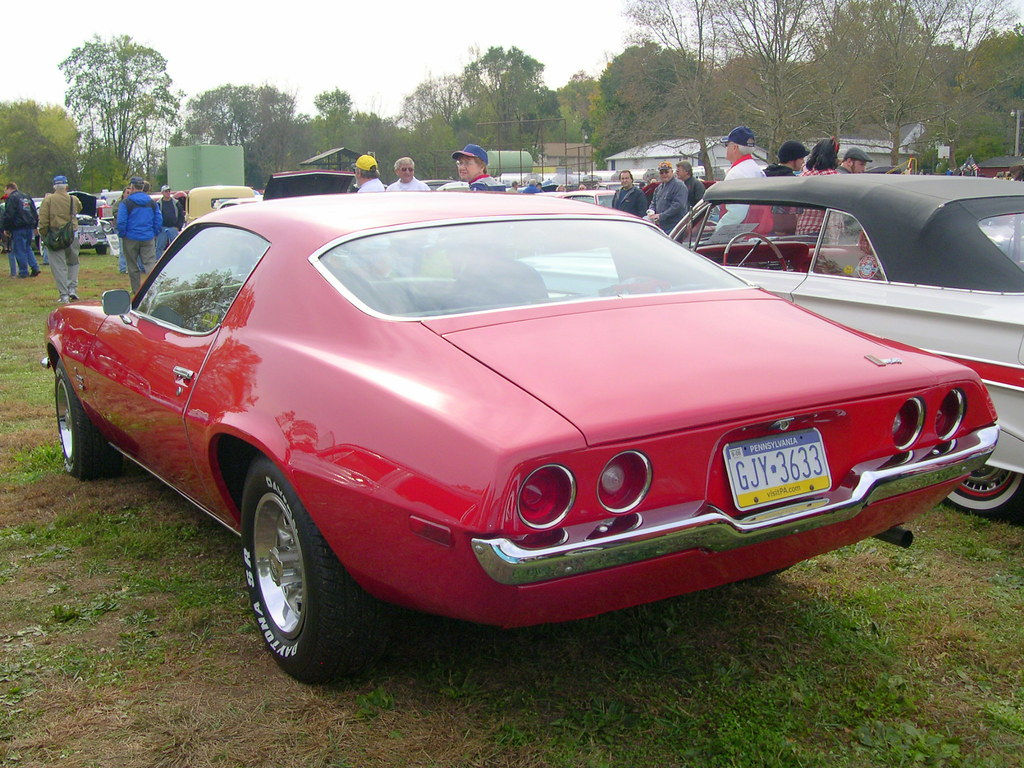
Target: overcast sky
x=377, y=51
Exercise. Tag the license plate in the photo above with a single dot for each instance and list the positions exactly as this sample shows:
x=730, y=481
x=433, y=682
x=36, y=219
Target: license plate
x=765, y=470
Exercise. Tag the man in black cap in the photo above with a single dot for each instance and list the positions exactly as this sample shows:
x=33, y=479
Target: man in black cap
x=855, y=160
x=791, y=160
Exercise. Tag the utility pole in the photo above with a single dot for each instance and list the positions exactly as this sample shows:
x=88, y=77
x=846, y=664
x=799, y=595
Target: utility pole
x=1016, y=133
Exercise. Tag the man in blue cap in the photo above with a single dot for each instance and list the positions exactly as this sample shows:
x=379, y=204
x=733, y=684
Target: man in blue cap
x=138, y=223
x=472, y=164
x=56, y=212
x=737, y=152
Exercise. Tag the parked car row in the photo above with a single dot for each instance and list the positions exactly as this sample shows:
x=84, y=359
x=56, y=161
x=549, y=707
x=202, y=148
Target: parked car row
x=512, y=410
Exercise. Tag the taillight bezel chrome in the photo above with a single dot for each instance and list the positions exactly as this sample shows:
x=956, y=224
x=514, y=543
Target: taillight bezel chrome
x=568, y=506
x=918, y=426
x=648, y=477
x=961, y=413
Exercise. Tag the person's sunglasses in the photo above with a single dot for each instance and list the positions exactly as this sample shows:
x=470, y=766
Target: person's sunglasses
x=665, y=170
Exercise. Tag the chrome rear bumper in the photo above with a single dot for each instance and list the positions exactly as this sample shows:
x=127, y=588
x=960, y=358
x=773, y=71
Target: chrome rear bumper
x=699, y=525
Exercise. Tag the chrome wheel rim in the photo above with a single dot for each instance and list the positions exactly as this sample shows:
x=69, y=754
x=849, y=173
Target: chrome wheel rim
x=988, y=482
x=63, y=399
x=279, y=564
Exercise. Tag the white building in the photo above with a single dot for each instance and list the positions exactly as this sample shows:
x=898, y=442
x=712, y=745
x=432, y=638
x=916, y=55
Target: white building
x=647, y=156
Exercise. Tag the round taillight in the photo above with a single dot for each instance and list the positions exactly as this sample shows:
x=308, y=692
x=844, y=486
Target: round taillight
x=950, y=414
x=546, y=495
x=624, y=481
x=908, y=423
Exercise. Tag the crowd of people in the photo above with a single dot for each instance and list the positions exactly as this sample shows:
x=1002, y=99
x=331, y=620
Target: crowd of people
x=667, y=199
x=146, y=227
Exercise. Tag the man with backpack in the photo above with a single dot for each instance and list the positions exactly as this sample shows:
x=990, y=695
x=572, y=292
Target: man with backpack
x=21, y=219
x=58, y=231
x=139, y=221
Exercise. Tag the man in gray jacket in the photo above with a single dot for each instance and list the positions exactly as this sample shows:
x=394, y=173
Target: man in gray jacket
x=670, y=202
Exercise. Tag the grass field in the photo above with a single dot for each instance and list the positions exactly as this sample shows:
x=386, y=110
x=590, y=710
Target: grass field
x=125, y=641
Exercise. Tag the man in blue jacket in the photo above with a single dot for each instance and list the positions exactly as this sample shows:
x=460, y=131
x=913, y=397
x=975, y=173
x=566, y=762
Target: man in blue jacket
x=139, y=221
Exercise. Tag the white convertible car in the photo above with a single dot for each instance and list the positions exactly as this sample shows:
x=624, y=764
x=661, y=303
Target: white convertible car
x=931, y=261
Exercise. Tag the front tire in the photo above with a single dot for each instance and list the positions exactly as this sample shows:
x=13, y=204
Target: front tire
x=87, y=454
x=101, y=250
x=992, y=492
x=317, y=623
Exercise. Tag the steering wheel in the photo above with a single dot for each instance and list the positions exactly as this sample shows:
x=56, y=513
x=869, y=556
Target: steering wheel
x=755, y=238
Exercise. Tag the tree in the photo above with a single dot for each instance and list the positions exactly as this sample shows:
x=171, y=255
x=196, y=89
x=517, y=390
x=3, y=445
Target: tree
x=980, y=73
x=260, y=119
x=903, y=36
x=436, y=97
x=630, y=106
x=576, y=102
x=770, y=38
x=686, y=29
x=334, y=116
x=840, y=70
x=121, y=94
x=506, y=88
x=37, y=141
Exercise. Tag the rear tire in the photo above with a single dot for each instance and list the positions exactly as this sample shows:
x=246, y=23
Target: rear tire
x=87, y=454
x=992, y=492
x=317, y=623
x=101, y=250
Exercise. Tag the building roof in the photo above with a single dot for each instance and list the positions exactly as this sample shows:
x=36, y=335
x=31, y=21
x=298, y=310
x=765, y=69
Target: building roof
x=338, y=157
x=1003, y=161
x=665, y=148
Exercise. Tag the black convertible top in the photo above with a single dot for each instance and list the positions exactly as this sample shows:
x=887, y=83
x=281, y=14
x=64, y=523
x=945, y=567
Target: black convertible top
x=924, y=228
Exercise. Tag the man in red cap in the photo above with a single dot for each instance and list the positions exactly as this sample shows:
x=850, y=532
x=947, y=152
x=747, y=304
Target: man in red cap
x=472, y=163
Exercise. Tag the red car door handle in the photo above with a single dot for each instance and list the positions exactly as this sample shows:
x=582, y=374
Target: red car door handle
x=183, y=373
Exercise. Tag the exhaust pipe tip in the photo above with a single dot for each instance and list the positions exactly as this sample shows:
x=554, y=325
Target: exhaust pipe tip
x=897, y=535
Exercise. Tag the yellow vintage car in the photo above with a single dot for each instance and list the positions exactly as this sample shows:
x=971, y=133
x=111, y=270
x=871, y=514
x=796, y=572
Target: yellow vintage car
x=201, y=200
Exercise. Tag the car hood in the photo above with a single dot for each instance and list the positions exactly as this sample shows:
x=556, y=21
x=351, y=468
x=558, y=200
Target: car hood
x=642, y=369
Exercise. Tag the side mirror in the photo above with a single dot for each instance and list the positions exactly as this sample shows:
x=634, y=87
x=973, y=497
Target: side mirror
x=117, y=302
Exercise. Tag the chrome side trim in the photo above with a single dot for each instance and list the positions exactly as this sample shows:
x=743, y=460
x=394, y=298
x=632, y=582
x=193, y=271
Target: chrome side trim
x=957, y=356
x=178, y=491
x=698, y=525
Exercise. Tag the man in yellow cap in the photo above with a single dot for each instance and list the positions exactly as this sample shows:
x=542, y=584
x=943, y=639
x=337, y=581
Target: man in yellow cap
x=367, y=176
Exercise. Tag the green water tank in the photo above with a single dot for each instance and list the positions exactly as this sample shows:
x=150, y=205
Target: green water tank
x=501, y=161
x=205, y=165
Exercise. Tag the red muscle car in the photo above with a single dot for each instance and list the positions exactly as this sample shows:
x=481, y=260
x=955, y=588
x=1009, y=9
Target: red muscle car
x=510, y=409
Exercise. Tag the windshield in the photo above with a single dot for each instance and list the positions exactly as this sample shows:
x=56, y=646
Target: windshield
x=1007, y=232
x=454, y=269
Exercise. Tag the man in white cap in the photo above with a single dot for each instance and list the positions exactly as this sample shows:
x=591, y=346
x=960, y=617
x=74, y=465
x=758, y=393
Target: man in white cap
x=367, y=175
x=742, y=166
x=58, y=215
